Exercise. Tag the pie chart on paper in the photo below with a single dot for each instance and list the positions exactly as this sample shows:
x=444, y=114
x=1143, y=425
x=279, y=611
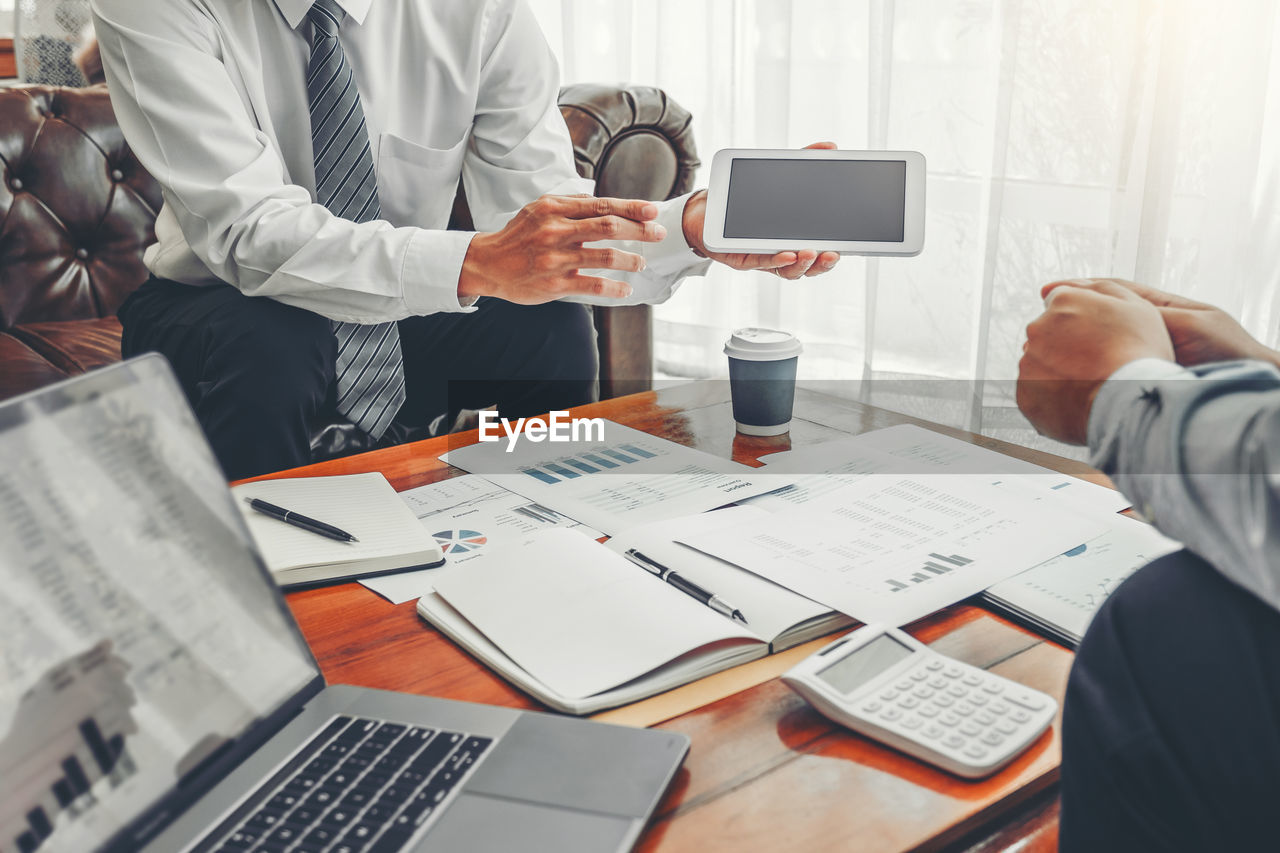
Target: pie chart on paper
x=460, y=541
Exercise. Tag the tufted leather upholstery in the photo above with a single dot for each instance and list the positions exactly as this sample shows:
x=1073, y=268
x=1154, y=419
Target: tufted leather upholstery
x=77, y=210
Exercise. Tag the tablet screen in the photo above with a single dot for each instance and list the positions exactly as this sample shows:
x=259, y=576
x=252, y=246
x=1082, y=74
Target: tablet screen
x=847, y=200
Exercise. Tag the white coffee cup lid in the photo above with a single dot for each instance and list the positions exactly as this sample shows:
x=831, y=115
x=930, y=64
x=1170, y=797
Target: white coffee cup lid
x=762, y=345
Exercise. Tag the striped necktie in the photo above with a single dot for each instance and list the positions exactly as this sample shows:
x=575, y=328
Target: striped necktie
x=370, y=369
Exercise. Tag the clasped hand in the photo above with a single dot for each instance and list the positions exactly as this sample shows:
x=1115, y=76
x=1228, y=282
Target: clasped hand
x=1093, y=327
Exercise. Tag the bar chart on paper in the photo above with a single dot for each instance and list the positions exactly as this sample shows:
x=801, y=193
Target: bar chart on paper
x=894, y=549
x=625, y=479
x=602, y=461
x=936, y=566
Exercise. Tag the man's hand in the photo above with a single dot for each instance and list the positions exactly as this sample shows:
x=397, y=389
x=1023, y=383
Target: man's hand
x=788, y=265
x=1202, y=333
x=1089, y=330
x=536, y=258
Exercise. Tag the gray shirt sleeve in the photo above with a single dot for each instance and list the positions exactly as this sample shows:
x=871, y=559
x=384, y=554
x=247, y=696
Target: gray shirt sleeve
x=1198, y=453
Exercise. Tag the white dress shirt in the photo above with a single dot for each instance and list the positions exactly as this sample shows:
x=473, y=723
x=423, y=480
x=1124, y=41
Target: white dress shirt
x=212, y=97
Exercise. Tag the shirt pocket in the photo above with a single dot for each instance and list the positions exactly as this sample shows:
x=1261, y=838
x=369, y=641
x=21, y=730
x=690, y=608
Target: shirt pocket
x=417, y=184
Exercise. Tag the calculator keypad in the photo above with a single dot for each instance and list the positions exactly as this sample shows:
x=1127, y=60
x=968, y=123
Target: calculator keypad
x=957, y=709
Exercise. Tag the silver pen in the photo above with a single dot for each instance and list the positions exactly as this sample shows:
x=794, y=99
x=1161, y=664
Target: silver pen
x=688, y=587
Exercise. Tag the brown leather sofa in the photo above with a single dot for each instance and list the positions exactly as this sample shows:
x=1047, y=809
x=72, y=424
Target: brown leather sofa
x=77, y=210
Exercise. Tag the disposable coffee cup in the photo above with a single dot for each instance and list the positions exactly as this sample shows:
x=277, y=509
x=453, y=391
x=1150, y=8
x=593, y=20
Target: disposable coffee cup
x=762, y=379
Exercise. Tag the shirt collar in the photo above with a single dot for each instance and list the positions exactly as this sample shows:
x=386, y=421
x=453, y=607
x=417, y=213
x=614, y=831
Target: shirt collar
x=295, y=11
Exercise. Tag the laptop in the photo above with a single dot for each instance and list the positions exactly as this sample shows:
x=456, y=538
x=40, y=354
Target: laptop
x=157, y=695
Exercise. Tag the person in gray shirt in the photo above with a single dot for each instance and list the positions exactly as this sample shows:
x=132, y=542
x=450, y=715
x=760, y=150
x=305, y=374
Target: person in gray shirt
x=1171, y=724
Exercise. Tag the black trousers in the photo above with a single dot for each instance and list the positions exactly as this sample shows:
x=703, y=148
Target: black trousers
x=260, y=374
x=1171, y=729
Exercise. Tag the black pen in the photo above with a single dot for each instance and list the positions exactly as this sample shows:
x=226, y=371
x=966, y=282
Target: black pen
x=308, y=524
x=688, y=587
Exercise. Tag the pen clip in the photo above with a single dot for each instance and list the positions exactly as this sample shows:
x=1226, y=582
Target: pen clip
x=649, y=565
x=685, y=585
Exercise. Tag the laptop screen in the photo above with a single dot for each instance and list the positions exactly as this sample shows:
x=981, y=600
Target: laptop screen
x=138, y=630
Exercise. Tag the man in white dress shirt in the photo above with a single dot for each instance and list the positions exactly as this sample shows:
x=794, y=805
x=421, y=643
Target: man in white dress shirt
x=219, y=99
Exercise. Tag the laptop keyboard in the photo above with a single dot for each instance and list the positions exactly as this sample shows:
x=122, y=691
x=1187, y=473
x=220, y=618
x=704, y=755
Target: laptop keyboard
x=359, y=786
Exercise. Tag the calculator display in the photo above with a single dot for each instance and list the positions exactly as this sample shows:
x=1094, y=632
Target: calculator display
x=856, y=669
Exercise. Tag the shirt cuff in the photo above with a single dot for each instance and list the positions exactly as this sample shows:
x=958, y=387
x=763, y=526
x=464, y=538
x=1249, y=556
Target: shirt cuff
x=666, y=263
x=1131, y=383
x=672, y=256
x=432, y=267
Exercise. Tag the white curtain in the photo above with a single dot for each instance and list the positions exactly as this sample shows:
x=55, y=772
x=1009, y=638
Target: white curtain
x=1134, y=138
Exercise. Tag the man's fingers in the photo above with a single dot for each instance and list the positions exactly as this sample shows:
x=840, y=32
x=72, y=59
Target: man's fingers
x=765, y=262
x=1070, y=282
x=1160, y=298
x=826, y=262
x=590, y=285
x=805, y=260
x=1112, y=288
x=826, y=146
x=1050, y=288
x=587, y=207
x=1106, y=286
x=617, y=228
x=609, y=259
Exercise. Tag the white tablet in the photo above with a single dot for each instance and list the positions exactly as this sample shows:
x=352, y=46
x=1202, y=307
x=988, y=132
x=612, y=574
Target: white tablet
x=852, y=202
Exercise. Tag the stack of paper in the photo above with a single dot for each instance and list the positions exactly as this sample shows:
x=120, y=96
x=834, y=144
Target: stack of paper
x=888, y=526
x=909, y=449
x=626, y=480
x=1060, y=597
x=892, y=548
x=469, y=518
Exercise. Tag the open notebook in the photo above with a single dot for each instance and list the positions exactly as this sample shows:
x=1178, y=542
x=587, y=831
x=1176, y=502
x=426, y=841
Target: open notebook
x=582, y=628
x=390, y=536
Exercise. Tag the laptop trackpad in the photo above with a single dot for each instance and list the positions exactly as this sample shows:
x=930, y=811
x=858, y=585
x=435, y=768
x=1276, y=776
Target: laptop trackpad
x=480, y=824
x=585, y=766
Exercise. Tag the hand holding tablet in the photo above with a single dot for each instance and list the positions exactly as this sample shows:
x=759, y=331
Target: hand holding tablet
x=789, y=264
x=765, y=202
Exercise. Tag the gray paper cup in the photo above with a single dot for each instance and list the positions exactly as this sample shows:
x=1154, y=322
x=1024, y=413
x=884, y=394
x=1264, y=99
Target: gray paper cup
x=762, y=379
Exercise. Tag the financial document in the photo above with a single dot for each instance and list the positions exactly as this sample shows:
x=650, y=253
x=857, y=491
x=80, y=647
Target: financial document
x=834, y=471
x=1062, y=594
x=893, y=548
x=470, y=517
x=629, y=478
x=912, y=449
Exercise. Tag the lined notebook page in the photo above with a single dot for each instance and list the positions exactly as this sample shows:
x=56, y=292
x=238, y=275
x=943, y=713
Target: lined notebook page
x=770, y=609
x=364, y=505
x=578, y=617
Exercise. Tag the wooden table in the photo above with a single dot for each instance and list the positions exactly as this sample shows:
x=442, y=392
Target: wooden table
x=765, y=771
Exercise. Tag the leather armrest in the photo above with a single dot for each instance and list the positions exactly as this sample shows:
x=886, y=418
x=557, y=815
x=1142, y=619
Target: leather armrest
x=635, y=142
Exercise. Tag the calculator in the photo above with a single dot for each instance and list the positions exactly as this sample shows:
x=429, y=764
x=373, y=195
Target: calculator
x=884, y=684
